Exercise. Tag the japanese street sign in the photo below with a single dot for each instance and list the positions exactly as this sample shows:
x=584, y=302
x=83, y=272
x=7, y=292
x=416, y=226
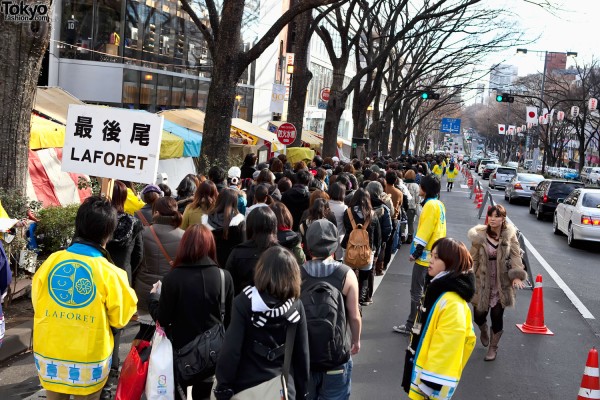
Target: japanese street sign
x=450, y=125
x=112, y=143
x=286, y=133
x=324, y=95
x=322, y=105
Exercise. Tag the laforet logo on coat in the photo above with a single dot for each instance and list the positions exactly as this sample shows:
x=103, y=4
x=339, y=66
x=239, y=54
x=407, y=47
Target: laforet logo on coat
x=23, y=12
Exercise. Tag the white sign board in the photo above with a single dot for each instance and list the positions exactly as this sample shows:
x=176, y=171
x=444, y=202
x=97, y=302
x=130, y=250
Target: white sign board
x=112, y=143
x=277, y=99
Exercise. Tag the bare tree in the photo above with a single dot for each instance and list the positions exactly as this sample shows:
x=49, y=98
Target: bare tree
x=222, y=32
x=22, y=48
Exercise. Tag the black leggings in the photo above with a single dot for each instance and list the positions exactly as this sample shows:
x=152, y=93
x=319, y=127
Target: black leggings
x=496, y=315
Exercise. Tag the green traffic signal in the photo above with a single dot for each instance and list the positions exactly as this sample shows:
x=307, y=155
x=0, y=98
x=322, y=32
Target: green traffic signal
x=499, y=98
x=424, y=95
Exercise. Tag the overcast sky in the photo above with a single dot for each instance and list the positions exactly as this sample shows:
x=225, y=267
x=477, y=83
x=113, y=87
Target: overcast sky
x=570, y=28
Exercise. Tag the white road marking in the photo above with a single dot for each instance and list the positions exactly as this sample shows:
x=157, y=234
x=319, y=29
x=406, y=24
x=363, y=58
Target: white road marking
x=585, y=313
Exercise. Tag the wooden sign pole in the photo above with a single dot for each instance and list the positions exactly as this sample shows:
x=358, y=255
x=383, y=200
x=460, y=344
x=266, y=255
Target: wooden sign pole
x=106, y=188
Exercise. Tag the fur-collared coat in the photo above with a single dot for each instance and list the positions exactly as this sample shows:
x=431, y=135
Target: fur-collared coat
x=509, y=265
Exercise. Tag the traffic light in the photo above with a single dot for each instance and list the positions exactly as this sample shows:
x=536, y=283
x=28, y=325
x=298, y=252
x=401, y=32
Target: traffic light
x=430, y=95
x=504, y=98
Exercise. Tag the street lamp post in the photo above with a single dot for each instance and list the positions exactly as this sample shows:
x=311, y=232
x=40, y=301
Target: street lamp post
x=238, y=99
x=545, y=52
x=290, y=71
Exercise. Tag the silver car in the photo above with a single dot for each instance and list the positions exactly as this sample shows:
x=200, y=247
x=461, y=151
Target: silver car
x=501, y=176
x=521, y=186
x=578, y=216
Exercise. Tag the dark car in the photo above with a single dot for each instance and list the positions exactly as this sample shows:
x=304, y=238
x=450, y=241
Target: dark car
x=545, y=197
x=488, y=170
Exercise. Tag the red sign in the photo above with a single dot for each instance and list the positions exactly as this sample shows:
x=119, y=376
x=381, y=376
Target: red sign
x=286, y=133
x=325, y=94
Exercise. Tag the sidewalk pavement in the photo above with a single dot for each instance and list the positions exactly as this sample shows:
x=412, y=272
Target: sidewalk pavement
x=17, y=340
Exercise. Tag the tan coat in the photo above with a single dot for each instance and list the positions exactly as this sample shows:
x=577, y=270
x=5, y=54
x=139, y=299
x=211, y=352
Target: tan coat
x=509, y=264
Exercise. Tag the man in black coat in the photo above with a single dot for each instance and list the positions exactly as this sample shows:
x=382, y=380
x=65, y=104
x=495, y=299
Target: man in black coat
x=296, y=199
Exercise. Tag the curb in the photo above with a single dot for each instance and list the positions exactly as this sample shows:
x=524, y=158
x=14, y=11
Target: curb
x=17, y=340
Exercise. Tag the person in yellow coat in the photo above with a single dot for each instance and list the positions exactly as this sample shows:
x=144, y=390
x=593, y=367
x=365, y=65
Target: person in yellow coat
x=438, y=169
x=443, y=337
x=3, y=213
x=132, y=203
x=451, y=176
x=78, y=295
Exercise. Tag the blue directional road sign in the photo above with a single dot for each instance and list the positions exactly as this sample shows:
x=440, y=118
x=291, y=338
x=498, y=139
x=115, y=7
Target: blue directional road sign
x=450, y=125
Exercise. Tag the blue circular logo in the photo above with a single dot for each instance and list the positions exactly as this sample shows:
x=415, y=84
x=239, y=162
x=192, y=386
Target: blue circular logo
x=71, y=284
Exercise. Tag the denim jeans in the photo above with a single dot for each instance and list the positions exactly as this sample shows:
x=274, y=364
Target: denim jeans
x=331, y=385
x=417, y=285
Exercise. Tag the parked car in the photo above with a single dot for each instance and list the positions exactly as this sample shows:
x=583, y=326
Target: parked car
x=488, y=170
x=482, y=163
x=578, y=216
x=521, y=186
x=545, y=197
x=571, y=173
x=472, y=163
x=502, y=176
x=512, y=164
x=590, y=175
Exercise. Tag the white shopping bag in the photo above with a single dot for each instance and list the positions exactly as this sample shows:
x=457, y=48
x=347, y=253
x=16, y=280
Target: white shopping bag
x=160, y=384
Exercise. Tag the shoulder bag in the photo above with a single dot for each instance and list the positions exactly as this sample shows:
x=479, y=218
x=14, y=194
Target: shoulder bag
x=160, y=246
x=198, y=358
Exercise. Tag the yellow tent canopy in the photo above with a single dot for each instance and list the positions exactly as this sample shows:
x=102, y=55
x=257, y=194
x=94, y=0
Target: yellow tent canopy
x=171, y=146
x=45, y=133
x=295, y=154
x=249, y=128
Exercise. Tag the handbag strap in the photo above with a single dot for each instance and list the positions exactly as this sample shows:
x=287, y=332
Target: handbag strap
x=290, y=337
x=140, y=215
x=222, y=276
x=160, y=246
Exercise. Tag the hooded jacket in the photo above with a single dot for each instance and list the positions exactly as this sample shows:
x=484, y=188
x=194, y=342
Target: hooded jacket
x=438, y=353
x=385, y=219
x=126, y=247
x=508, y=261
x=241, y=263
x=235, y=234
x=258, y=325
x=291, y=241
x=432, y=226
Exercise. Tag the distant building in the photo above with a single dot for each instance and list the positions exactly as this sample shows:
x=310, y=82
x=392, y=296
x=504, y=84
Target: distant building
x=479, y=94
x=555, y=61
x=502, y=77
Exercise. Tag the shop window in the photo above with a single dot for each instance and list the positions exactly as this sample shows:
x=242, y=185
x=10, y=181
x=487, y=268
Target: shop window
x=131, y=88
x=148, y=91
x=107, y=30
x=76, y=30
x=177, y=92
x=191, y=92
x=163, y=92
x=132, y=42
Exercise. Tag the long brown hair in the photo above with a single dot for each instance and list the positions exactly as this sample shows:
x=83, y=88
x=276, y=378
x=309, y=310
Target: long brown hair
x=205, y=196
x=197, y=242
x=167, y=207
x=500, y=211
x=119, y=196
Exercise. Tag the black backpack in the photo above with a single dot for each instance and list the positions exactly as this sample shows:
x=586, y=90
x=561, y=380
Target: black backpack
x=328, y=332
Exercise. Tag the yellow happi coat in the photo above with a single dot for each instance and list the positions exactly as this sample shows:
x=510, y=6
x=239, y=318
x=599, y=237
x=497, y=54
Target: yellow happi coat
x=451, y=175
x=447, y=343
x=77, y=295
x=432, y=226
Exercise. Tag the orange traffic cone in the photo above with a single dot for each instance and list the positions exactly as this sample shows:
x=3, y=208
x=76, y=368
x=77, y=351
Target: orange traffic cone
x=479, y=200
x=590, y=383
x=535, y=316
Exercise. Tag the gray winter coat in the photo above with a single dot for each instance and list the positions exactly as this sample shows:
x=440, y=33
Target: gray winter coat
x=154, y=265
x=509, y=264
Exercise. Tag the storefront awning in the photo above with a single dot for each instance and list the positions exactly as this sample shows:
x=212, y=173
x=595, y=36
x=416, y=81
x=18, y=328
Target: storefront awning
x=246, y=127
x=54, y=102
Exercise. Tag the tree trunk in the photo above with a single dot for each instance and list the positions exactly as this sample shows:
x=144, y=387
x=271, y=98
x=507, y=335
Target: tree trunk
x=228, y=66
x=302, y=75
x=22, y=49
x=335, y=108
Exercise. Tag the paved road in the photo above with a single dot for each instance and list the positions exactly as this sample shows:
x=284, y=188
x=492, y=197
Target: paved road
x=527, y=367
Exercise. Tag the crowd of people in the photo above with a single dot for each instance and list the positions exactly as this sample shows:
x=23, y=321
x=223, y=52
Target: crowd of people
x=295, y=248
